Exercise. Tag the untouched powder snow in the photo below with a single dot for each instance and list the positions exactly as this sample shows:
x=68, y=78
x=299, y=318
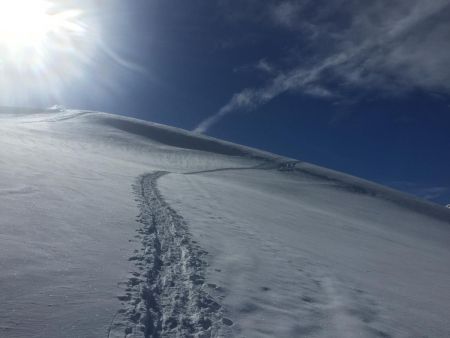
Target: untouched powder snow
x=115, y=227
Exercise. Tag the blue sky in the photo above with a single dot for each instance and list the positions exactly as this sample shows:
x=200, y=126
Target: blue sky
x=360, y=87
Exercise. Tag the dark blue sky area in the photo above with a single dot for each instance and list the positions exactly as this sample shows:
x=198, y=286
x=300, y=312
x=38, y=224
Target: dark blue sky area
x=360, y=88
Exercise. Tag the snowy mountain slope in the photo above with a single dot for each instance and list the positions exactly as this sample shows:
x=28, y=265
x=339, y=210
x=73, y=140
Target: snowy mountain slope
x=115, y=227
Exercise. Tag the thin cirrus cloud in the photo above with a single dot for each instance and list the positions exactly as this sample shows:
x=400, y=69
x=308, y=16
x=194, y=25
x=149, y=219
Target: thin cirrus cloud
x=424, y=191
x=390, y=46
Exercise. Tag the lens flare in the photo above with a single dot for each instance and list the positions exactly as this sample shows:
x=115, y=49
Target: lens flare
x=26, y=24
x=42, y=43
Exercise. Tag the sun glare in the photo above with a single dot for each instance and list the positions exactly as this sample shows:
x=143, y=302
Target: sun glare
x=43, y=45
x=26, y=24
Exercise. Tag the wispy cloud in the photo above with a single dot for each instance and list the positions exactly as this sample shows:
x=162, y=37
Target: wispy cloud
x=421, y=190
x=286, y=13
x=120, y=60
x=390, y=46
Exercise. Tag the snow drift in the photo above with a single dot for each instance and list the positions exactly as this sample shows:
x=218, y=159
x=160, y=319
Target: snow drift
x=116, y=227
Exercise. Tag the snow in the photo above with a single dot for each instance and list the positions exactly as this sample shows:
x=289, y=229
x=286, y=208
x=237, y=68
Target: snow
x=115, y=227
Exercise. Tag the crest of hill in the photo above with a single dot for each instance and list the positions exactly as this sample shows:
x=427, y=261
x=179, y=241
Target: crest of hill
x=180, y=138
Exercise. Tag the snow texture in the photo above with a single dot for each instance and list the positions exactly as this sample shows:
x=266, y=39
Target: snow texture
x=116, y=227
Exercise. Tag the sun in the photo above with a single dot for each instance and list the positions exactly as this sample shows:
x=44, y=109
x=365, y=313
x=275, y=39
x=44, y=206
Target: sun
x=44, y=45
x=35, y=34
x=50, y=48
x=24, y=23
x=30, y=24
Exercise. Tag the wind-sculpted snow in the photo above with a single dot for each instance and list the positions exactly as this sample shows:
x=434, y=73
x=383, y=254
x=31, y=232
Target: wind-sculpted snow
x=166, y=296
x=229, y=241
x=361, y=186
x=178, y=138
x=301, y=258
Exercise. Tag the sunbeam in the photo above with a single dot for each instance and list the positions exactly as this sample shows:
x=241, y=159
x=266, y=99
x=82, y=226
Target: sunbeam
x=42, y=44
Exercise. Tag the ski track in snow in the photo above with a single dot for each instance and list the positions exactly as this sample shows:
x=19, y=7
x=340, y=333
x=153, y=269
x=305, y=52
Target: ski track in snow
x=166, y=297
x=168, y=293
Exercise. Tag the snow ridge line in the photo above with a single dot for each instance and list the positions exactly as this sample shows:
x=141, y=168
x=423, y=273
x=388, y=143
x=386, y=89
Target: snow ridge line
x=61, y=116
x=266, y=165
x=167, y=297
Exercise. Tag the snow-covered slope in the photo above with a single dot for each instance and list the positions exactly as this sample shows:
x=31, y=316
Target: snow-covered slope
x=115, y=227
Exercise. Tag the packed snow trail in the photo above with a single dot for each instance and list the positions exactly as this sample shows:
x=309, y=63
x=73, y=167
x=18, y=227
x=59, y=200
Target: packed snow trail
x=301, y=251
x=167, y=297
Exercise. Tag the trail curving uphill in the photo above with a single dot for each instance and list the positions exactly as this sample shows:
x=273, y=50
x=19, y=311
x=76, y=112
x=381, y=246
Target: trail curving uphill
x=168, y=296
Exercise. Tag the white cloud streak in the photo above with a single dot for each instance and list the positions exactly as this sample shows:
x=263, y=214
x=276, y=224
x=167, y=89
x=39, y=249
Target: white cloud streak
x=392, y=46
x=120, y=60
x=427, y=192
